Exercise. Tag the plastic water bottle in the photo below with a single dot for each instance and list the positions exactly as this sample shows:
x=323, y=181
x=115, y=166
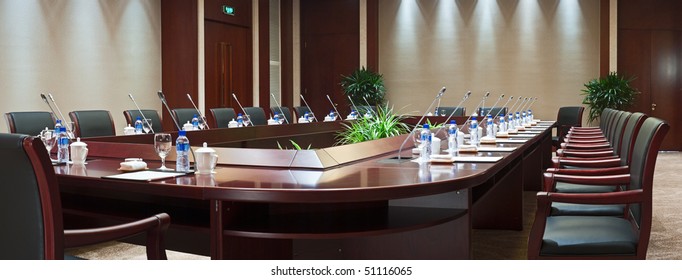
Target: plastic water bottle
x=452, y=136
x=195, y=122
x=489, y=128
x=57, y=126
x=240, y=120
x=182, y=150
x=425, y=149
x=276, y=118
x=510, y=122
x=473, y=130
x=62, y=145
x=332, y=116
x=503, y=125
x=138, y=126
x=530, y=116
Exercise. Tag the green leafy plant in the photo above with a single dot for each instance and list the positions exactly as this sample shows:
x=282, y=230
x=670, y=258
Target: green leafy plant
x=364, y=84
x=385, y=123
x=294, y=144
x=613, y=91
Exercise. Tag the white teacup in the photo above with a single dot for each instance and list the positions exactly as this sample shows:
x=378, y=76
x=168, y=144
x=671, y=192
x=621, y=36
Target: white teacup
x=79, y=151
x=206, y=160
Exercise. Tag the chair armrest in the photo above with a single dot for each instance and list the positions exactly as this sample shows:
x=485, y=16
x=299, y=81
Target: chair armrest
x=605, y=180
x=585, y=146
x=589, y=163
x=587, y=154
x=591, y=172
x=623, y=197
x=154, y=226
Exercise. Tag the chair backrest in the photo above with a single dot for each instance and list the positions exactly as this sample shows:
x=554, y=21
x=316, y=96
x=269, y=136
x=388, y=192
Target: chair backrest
x=616, y=126
x=30, y=123
x=31, y=208
x=627, y=141
x=618, y=132
x=493, y=111
x=222, y=116
x=92, y=123
x=570, y=116
x=642, y=167
x=459, y=111
x=184, y=115
x=256, y=115
x=131, y=117
x=285, y=111
x=300, y=111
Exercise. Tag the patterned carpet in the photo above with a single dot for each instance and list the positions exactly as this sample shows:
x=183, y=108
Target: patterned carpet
x=665, y=242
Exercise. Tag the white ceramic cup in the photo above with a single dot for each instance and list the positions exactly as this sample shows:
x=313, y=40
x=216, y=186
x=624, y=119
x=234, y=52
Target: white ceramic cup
x=206, y=160
x=79, y=151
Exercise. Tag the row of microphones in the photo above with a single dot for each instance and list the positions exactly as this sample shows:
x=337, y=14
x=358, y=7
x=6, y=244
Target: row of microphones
x=141, y=114
x=438, y=97
x=485, y=96
x=466, y=96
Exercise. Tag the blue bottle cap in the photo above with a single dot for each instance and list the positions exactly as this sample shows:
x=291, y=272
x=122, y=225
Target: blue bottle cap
x=182, y=133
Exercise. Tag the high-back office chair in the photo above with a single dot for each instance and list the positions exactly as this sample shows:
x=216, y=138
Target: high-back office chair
x=300, y=111
x=131, y=117
x=184, y=115
x=566, y=118
x=256, y=115
x=596, y=236
x=493, y=111
x=31, y=123
x=459, y=112
x=284, y=111
x=32, y=222
x=92, y=123
x=222, y=116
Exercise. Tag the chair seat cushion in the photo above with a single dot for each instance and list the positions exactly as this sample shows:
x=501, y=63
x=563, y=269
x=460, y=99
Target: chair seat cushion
x=578, y=188
x=588, y=235
x=572, y=209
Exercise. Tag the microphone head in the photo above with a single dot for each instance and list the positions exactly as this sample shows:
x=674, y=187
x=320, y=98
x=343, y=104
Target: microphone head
x=50, y=95
x=161, y=96
x=486, y=94
x=131, y=97
x=502, y=96
x=42, y=95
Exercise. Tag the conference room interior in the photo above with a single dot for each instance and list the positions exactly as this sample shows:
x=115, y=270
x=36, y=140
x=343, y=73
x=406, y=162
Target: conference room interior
x=100, y=55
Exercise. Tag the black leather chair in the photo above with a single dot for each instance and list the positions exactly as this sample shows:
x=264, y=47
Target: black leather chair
x=31, y=123
x=184, y=115
x=131, y=117
x=567, y=117
x=222, y=116
x=595, y=236
x=458, y=112
x=32, y=219
x=284, y=111
x=92, y=123
x=493, y=111
x=256, y=115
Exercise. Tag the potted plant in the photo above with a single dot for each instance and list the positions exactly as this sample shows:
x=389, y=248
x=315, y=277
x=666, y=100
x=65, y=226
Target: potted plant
x=381, y=125
x=364, y=86
x=613, y=91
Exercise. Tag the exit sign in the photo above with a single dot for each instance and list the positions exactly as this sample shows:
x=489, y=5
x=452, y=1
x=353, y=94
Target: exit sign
x=228, y=10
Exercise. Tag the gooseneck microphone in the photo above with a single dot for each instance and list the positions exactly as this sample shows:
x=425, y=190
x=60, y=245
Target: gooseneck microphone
x=369, y=106
x=466, y=96
x=64, y=122
x=353, y=104
x=42, y=95
x=310, y=109
x=491, y=108
x=479, y=105
x=505, y=105
x=163, y=100
x=280, y=108
x=141, y=114
x=248, y=118
x=334, y=106
x=438, y=96
x=201, y=115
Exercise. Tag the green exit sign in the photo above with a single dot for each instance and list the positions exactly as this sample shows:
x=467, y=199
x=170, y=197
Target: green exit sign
x=228, y=10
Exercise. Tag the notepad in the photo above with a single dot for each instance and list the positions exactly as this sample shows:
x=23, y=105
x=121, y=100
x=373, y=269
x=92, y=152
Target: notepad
x=511, y=141
x=145, y=175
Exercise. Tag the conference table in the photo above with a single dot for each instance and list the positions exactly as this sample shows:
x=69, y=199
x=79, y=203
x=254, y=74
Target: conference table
x=359, y=201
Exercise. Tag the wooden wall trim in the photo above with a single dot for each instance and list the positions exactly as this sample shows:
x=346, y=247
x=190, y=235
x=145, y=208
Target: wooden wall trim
x=287, y=52
x=604, y=37
x=264, y=54
x=373, y=35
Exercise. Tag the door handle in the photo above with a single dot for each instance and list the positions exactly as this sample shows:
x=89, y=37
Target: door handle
x=653, y=106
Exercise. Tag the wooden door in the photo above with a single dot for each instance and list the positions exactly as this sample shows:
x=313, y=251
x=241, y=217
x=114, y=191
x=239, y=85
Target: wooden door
x=228, y=65
x=330, y=47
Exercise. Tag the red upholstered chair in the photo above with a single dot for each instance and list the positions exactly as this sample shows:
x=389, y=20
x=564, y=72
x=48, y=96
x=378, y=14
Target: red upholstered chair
x=31, y=214
x=594, y=236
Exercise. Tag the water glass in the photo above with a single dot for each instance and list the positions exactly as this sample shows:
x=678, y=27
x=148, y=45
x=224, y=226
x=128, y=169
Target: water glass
x=163, y=145
x=49, y=137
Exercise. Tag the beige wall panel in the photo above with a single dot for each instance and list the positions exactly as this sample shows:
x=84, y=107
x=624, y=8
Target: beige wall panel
x=88, y=54
x=545, y=49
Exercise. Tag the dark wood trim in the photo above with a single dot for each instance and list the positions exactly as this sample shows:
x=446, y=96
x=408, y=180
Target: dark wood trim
x=264, y=54
x=604, y=19
x=373, y=35
x=179, y=54
x=286, y=11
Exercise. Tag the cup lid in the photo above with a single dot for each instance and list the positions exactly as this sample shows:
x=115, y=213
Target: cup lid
x=78, y=143
x=205, y=149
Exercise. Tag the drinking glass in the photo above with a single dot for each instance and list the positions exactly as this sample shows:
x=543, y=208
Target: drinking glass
x=147, y=125
x=202, y=125
x=49, y=137
x=163, y=145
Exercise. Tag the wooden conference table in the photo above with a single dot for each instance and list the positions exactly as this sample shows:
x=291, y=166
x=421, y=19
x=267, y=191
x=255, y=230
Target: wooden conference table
x=344, y=202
